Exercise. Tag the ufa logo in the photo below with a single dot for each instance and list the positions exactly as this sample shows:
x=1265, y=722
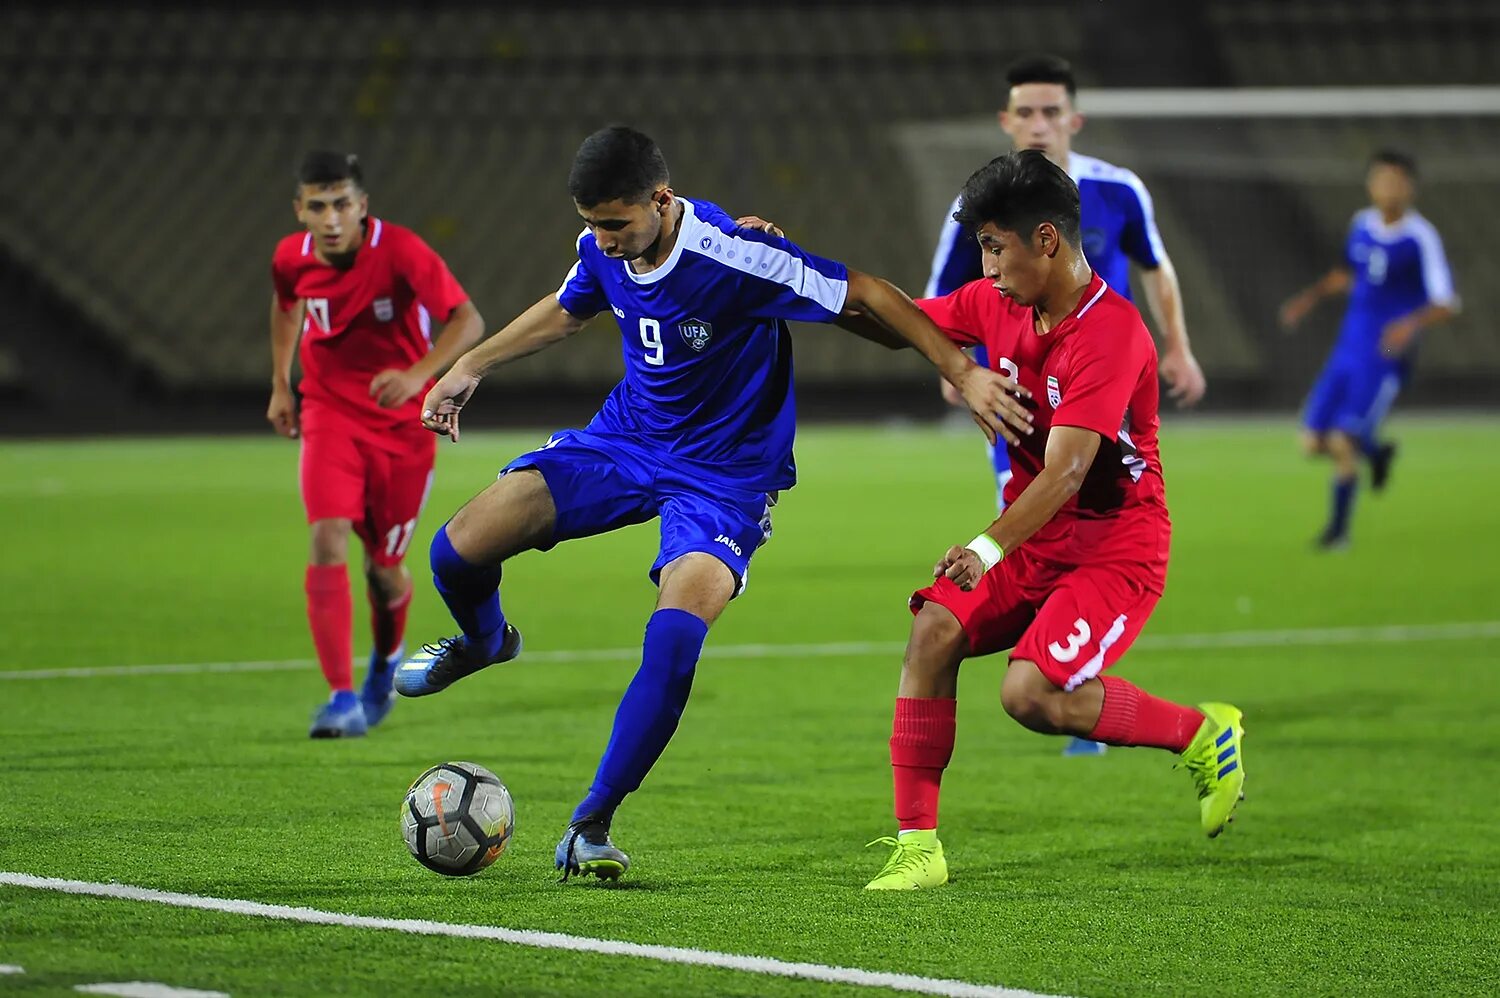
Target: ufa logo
x=696, y=333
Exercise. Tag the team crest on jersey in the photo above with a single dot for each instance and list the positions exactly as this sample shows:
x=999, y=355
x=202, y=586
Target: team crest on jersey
x=1054, y=392
x=385, y=311
x=696, y=333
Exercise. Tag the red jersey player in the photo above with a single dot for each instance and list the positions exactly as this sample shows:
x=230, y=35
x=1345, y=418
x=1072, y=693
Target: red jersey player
x=364, y=295
x=1070, y=572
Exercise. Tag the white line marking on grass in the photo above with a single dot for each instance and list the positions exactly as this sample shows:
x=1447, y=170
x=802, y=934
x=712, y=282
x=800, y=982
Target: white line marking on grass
x=1295, y=637
x=528, y=937
x=10, y=968
x=146, y=989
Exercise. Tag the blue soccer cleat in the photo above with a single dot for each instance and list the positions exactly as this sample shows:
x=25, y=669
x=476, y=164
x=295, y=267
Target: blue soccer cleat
x=377, y=696
x=439, y=666
x=586, y=849
x=1082, y=746
x=340, y=717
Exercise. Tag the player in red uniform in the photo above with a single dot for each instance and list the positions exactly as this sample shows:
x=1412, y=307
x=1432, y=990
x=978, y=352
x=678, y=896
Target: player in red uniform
x=1070, y=572
x=365, y=296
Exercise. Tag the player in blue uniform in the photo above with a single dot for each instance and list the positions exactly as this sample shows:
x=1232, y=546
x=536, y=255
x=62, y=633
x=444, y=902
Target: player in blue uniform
x=1397, y=278
x=1119, y=228
x=698, y=435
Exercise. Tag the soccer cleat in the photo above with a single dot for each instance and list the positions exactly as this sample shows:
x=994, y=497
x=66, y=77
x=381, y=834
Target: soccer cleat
x=1213, y=758
x=916, y=862
x=1082, y=746
x=376, y=695
x=1330, y=541
x=441, y=665
x=340, y=717
x=1380, y=466
x=586, y=848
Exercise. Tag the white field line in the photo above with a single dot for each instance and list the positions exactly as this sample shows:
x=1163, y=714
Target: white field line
x=145, y=989
x=1298, y=637
x=11, y=968
x=528, y=937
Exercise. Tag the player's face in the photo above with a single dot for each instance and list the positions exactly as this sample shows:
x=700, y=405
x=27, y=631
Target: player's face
x=1018, y=267
x=1041, y=116
x=1390, y=187
x=626, y=230
x=334, y=214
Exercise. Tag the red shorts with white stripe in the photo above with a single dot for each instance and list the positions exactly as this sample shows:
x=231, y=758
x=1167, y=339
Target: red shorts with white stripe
x=379, y=481
x=1072, y=621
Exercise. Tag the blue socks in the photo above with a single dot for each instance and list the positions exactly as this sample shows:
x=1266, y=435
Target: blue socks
x=471, y=592
x=1343, y=501
x=649, y=711
x=344, y=700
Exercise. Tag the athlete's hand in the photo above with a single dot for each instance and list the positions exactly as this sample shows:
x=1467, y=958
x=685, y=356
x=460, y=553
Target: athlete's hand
x=1184, y=378
x=760, y=224
x=950, y=394
x=994, y=401
x=1294, y=310
x=440, y=407
x=1396, y=338
x=962, y=566
x=394, y=386
x=282, y=412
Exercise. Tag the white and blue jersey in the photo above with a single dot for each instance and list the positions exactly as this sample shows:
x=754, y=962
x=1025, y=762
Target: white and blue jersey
x=699, y=432
x=1119, y=226
x=1398, y=268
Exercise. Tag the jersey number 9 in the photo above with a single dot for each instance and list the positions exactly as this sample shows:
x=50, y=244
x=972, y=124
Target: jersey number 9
x=656, y=354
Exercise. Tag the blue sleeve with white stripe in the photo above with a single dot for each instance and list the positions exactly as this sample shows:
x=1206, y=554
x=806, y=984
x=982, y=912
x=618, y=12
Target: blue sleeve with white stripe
x=956, y=261
x=1139, y=238
x=784, y=281
x=580, y=292
x=1437, y=278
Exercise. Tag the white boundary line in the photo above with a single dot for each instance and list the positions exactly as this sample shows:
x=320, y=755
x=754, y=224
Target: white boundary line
x=1297, y=637
x=528, y=937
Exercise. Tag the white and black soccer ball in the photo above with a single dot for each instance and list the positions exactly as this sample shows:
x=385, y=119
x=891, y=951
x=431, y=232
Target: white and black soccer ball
x=457, y=818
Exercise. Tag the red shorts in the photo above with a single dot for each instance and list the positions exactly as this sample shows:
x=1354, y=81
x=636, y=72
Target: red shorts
x=377, y=481
x=1072, y=621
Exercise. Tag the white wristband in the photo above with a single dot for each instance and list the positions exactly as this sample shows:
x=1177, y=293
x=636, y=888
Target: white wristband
x=988, y=551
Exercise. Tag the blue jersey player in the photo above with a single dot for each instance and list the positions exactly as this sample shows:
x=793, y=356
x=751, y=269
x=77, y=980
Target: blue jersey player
x=1119, y=227
x=1398, y=283
x=698, y=435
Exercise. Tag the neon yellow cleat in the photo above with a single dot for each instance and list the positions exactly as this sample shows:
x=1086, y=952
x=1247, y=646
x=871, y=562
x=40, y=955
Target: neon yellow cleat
x=1218, y=769
x=916, y=862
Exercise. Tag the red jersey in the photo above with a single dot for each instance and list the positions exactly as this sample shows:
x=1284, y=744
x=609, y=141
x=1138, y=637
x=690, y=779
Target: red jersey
x=377, y=314
x=1096, y=369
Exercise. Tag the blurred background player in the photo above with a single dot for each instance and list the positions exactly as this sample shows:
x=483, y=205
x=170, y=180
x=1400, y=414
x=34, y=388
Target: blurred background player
x=1398, y=282
x=364, y=295
x=1397, y=278
x=1072, y=570
x=1119, y=228
x=698, y=434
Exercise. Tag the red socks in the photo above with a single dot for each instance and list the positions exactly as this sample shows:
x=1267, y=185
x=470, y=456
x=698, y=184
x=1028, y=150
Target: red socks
x=330, y=613
x=1131, y=716
x=388, y=622
x=921, y=745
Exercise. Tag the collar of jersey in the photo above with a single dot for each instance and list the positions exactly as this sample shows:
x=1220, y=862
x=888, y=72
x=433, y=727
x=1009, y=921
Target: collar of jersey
x=689, y=220
x=1097, y=287
x=1378, y=228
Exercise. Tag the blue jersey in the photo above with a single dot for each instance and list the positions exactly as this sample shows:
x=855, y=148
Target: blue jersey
x=1118, y=226
x=1398, y=268
x=708, y=360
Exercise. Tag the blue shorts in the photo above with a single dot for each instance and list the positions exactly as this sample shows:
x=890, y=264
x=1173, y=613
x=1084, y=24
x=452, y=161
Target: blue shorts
x=603, y=481
x=1352, y=396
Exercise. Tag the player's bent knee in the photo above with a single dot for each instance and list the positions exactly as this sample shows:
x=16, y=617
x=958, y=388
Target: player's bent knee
x=1312, y=444
x=516, y=513
x=937, y=640
x=330, y=542
x=697, y=583
x=1031, y=699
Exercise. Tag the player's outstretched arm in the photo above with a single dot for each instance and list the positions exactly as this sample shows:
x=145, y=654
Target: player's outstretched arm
x=993, y=398
x=1336, y=282
x=392, y=387
x=537, y=328
x=1070, y=454
x=282, y=410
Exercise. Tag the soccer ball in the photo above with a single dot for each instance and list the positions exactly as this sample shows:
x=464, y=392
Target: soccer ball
x=457, y=818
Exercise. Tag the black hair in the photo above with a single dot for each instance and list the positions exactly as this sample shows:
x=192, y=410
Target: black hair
x=1018, y=192
x=616, y=163
x=321, y=168
x=1042, y=69
x=1397, y=158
